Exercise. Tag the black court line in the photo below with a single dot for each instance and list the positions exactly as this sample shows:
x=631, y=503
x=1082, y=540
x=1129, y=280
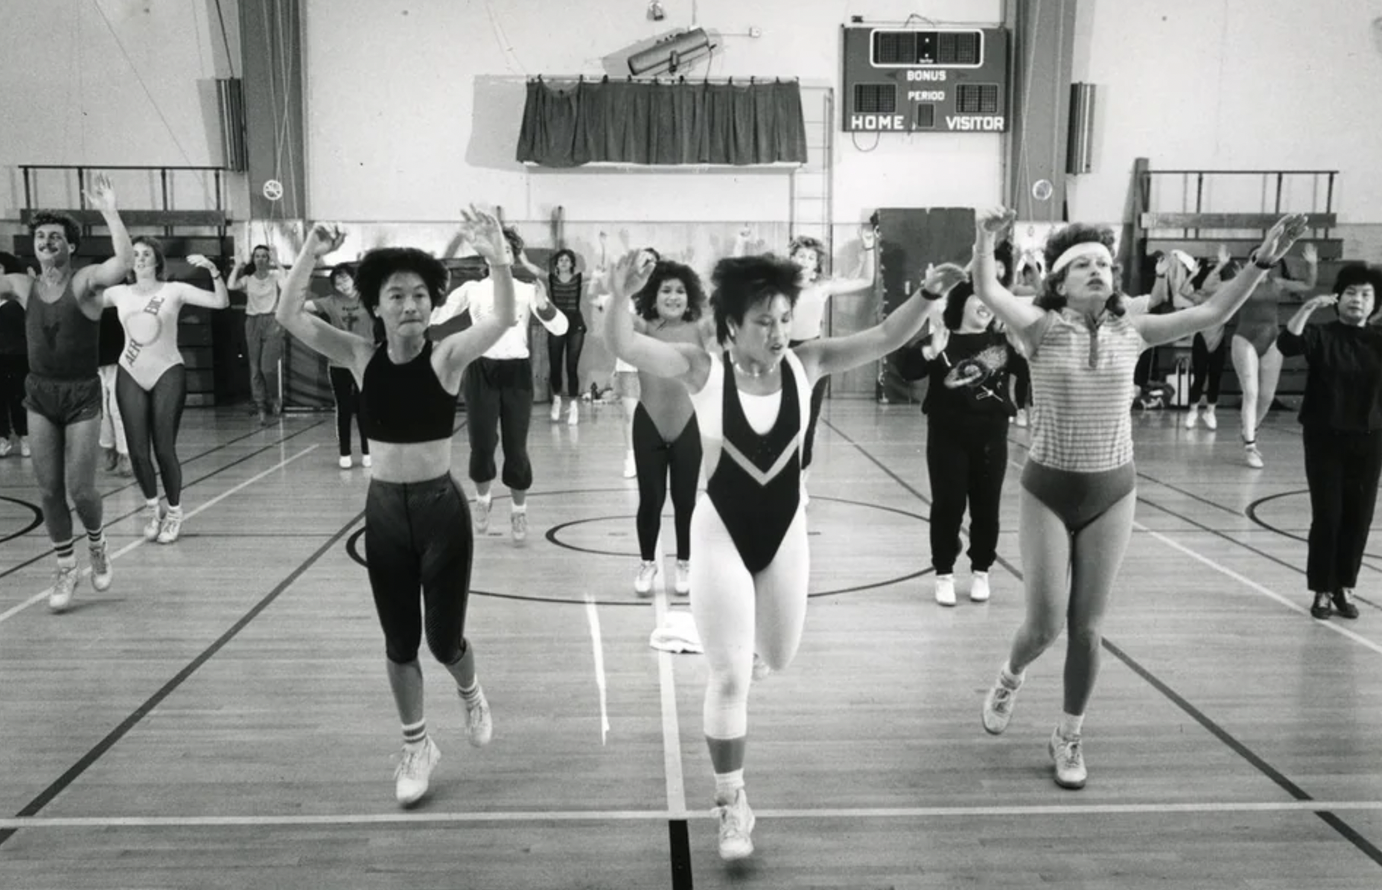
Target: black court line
x=1333, y=821
x=100, y=748
x=186, y=485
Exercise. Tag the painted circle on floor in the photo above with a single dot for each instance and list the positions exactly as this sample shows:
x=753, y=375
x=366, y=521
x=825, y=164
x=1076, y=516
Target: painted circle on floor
x=20, y=515
x=613, y=537
x=1253, y=513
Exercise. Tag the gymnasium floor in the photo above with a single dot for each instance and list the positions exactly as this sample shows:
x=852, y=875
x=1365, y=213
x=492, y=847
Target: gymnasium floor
x=220, y=717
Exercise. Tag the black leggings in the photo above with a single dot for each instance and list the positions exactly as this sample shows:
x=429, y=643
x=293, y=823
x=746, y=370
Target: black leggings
x=418, y=537
x=654, y=457
x=347, y=406
x=13, y=416
x=152, y=417
x=572, y=342
x=1206, y=369
x=1022, y=381
x=966, y=462
x=499, y=400
x=1342, y=470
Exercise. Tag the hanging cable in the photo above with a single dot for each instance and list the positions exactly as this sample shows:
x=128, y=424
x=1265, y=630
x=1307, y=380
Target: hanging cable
x=225, y=38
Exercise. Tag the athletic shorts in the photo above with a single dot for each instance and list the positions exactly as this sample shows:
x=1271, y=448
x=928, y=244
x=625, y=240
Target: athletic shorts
x=63, y=402
x=625, y=384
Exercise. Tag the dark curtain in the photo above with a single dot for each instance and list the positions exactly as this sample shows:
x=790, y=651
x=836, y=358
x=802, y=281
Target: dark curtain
x=649, y=122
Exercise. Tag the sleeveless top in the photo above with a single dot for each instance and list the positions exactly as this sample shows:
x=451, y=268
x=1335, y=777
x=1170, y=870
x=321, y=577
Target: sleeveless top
x=756, y=484
x=157, y=327
x=566, y=295
x=405, y=403
x=62, y=340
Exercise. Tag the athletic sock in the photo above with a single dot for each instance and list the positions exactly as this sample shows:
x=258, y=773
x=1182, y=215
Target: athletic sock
x=415, y=734
x=1010, y=679
x=96, y=538
x=1070, y=725
x=65, y=552
x=519, y=508
x=471, y=695
x=727, y=784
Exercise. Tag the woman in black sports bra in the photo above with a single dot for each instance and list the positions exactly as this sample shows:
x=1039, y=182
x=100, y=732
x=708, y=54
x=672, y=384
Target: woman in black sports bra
x=417, y=526
x=749, y=558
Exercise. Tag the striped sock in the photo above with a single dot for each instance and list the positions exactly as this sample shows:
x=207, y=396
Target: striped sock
x=96, y=538
x=728, y=784
x=66, y=558
x=471, y=696
x=415, y=734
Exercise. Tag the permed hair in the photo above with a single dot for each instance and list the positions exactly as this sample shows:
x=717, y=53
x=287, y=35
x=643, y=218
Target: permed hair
x=70, y=228
x=954, y=312
x=810, y=243
x=564, y=252
x=1059, y=243
x=1003, y=253
x=382, y=262
x=645, y=301
x=157, y=248
x=742, y=282
x=1355, y=274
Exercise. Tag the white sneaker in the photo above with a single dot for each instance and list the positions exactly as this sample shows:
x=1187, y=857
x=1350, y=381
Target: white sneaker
x=1021, y=418
x=518, y=524
x=479, y=725
x=998, y=706
x=1068, y=755
x=945, y=590
x=761, y=670
x=414, y=771
x=101, y=571
x=683, y=581
x=630, y=467
x=64, y=585
x=556, y=408
x=1252, y=456
x=736, y=826
x=153, y=523
x=365, y=461
x=643, y=581
x=345, y=462
x=479, y=514
x=24, y=447
x=1190, y=417
x=979, y=587
x=1210, y=420
x=171, y=528
x=574, y=417
x=5, y=447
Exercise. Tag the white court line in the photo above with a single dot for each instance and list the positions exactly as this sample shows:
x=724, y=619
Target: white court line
x=592, y=616
x=671, y=729
x=27, y=823
x=43, y=594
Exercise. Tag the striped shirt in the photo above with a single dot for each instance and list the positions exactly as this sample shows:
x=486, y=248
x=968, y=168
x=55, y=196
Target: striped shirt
x=1082, y=415
x=566, y=295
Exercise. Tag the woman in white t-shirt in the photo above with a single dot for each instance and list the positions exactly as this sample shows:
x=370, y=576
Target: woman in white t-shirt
x=261, y=279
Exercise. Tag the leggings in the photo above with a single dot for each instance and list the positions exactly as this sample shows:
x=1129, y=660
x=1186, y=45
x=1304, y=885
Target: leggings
x=1206, y=369
x=13, y=418
x=152, y=417
x=817, y=400
x=418, y=538
x=1022, y=381
x=499, y=399
x=655, y=457
x=572, y=343
x=347, y=406
x=966, y=462
x=1342, y=470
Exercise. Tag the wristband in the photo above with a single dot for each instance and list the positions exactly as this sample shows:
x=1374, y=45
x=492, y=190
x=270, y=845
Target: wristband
x=1266, y=267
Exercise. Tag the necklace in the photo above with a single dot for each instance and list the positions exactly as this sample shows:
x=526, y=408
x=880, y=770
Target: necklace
x=747, y=373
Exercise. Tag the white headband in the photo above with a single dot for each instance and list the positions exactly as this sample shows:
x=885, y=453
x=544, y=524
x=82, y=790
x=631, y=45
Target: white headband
x=1084, y=248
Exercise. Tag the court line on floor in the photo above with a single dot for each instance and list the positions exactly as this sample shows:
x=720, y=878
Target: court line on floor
x=115, y=735
x=27, y=823
x=140, y=541
x=678, y=832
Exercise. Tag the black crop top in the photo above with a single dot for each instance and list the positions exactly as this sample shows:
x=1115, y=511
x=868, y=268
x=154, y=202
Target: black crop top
x=405, y=403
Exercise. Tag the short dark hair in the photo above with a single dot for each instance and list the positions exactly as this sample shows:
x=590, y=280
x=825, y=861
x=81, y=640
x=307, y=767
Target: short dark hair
x=382, y=262
x=70, y=227
x=954, y=312
x=159, y=259
x=1061, y=241
x=652, y=250
x=342, y=269
x=564, y=252
x=645, y=301
x=740, y=282
x=1003, y=253
x=1355, y=274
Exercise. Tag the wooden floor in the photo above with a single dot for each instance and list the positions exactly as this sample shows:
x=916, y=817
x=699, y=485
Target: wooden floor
x=220, y=717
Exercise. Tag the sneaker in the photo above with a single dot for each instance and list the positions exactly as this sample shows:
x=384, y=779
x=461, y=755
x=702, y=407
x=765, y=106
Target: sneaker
x=1343, y=603
x=171, y=528
x=64, y=585
x=518, y=524
x=479, y=725
x=945, y=590
x=264, y=421
x=1068, y=754
x=1021, y=418
x=410, y=778
x=345, y=462
x=979, y=587
x=153, y=524
x=1190, y=417
x=1252, y=456
x=479, y=514
x=556, y=408
x=630, y=467
x=683, y=580
x=5, y=447
x=643, y=581
x=736, y=824
x=574, y=417
x=998, y=706
x=760, y=668
x=365, y=461
x=100, y=568
x=112, y=458
x=1210, y=420
x=122, y=466
x=1322, y=607
x=24, y=447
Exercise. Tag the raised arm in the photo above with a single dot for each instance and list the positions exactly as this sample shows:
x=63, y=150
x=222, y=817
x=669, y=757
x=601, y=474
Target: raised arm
x=1297, y=323
x=237, y=276
x=486, y=235
x=113, y=271
x=219, y=298
x=1158, y=329
x=1312, y=273
x=341, y=347
x=16, y=285
x=1017, y=314
x=678, y=361
x=546, y=311
x=868, y=265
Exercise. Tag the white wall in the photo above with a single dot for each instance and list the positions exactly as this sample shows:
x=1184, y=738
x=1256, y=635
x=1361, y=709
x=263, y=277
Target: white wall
x=1233, y=84
x=70, y=84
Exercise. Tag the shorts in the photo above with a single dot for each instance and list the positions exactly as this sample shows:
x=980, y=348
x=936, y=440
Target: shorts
x=63, y=402
x=625, y=385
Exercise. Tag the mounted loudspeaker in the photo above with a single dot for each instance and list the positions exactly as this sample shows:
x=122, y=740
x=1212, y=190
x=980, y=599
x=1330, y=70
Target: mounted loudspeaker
x=672, y=54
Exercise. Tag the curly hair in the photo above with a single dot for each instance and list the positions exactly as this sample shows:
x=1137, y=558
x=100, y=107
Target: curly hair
x=1059, y=243
x=645, y=301
x=70, y=227
x=564, y=252
x=741, y=282
x=809, y=243
x=382, y=262
x=157, y=248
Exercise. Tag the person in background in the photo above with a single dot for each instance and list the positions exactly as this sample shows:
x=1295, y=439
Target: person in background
x=1210, y=348
x=112, y=440
x=261, y=279
x=343, y=310
x=14, y=365
x=565, y=286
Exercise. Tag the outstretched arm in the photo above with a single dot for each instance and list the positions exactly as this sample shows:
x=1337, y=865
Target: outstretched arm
x=868, y=266
x=112, y=271
x=1018, y=315
x=341, y=347
x=830, y=355
x=219, y=298
x=483, y=231
x=679, y=361
x=1312, y=273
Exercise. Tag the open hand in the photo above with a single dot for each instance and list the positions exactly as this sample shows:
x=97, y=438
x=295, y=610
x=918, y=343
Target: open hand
x=990, y=222
x=1310, y=253
x=201, y=262
x=486, y=235
x=1278, y=240
x=101, y=194
x=868, y=235
x=630, y=274
x=323, y=238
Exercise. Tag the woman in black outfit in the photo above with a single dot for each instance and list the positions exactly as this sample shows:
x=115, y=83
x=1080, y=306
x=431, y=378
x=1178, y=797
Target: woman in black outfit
x=564, y=288
x=1341, y=416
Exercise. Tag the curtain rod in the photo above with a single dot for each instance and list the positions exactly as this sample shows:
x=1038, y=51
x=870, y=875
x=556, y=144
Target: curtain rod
x=670, y=78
